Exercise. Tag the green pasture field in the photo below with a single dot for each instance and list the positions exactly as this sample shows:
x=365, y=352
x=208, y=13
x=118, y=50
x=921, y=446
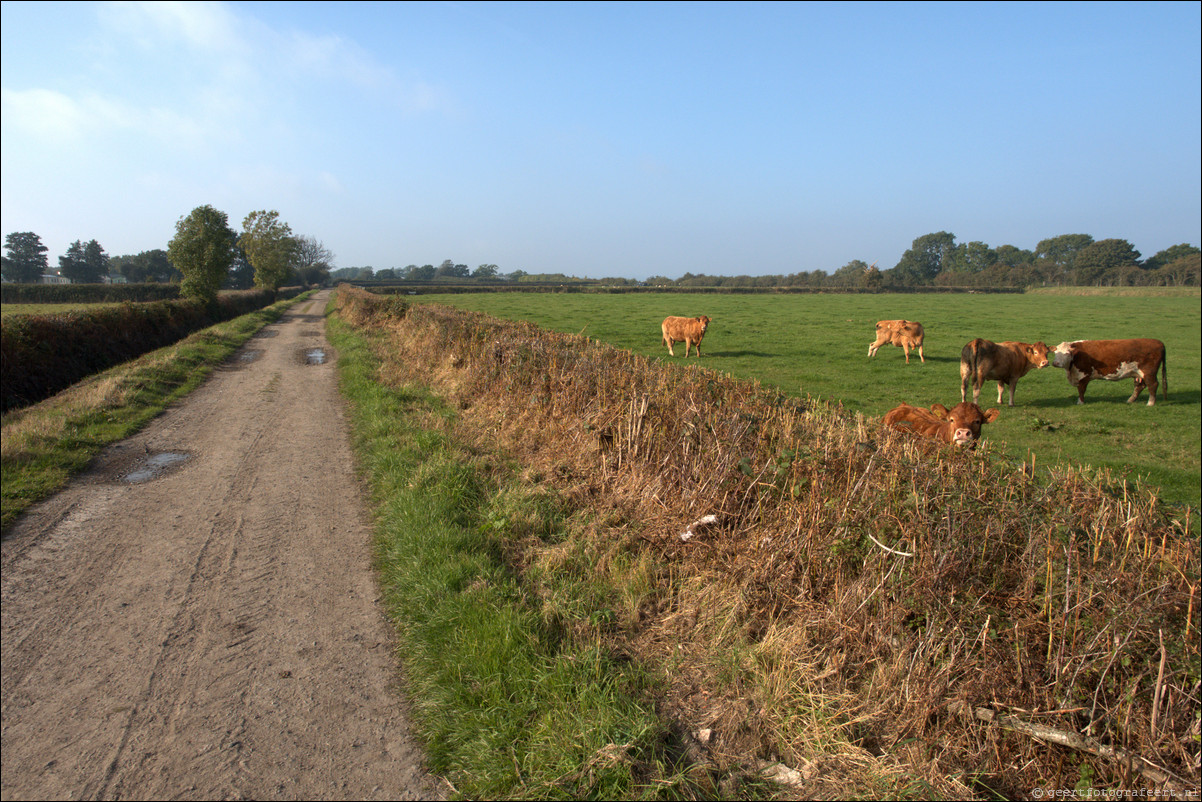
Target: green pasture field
x=817, y=345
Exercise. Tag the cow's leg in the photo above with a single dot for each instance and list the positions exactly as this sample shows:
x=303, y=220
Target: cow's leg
x=698, y=344
x=1081, y=385
x=670, y=351
x=1013, y=384
x=920, y=356
x=871, y=349
x=906, y=348
x=1139, y=387
x=1152, y=385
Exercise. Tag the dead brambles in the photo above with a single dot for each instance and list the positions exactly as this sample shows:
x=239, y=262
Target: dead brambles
x=846, y=600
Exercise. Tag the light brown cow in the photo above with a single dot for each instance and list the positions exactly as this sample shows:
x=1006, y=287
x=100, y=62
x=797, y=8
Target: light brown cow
x=1004, y=362
x=905, y=334
x=1112, y=360
x=960, y=426
x=688, y=330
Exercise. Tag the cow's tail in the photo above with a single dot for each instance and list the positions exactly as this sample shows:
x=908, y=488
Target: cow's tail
x=1164, y=373
x=968, y=367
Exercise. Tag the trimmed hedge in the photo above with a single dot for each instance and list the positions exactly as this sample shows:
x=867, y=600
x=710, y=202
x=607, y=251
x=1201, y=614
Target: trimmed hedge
x=42, y=355
x=86, y=293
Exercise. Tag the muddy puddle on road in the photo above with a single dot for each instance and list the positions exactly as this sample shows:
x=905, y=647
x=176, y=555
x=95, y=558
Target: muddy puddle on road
x=154, y=466
x=313, y=356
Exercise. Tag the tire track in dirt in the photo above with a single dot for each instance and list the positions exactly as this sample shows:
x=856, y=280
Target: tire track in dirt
x=213, y=632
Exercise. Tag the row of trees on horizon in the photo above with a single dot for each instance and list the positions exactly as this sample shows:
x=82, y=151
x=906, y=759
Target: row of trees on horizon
x=933, y=260
x=204, y=255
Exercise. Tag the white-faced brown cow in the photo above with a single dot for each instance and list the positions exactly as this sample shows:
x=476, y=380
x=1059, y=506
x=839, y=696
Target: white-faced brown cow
x=1004, y=362
x=905, y=334
x=688, y=330
x=1085, y=360
x=960, y=426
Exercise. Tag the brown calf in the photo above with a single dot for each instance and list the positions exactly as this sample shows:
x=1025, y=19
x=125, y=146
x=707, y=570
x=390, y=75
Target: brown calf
x=1005, y=363
x=960, y=426
x=1112, y=360
x=905, y=334
x=688, y=330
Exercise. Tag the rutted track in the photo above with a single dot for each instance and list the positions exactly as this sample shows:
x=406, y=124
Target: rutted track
x=211, y=632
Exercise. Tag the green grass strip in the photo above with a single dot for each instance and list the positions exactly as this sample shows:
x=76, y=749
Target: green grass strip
x=47, y=443
x=507, y=708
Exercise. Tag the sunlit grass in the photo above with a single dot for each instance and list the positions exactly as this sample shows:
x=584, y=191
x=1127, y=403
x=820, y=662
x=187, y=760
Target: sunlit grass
x=508, y=705
x=817, y=345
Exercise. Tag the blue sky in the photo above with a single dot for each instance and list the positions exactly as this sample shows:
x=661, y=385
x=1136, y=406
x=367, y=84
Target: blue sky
x=606, y=139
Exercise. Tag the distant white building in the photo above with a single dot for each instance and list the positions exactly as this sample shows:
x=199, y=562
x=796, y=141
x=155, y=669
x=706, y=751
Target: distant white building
x=53, y=278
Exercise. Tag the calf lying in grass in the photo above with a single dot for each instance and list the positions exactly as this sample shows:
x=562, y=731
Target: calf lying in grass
x=961, y=425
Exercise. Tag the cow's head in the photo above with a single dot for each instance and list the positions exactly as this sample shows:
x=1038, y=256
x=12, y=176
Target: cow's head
x=705, y=323
x=967, y=420
x=1037, y=354
x=1062, y=357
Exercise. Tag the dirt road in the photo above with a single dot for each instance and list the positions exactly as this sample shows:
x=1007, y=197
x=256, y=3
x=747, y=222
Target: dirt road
x=197, y=616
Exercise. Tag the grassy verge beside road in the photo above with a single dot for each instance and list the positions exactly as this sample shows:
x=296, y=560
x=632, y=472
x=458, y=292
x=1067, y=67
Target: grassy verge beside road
x=509, y=703
x=46, y=443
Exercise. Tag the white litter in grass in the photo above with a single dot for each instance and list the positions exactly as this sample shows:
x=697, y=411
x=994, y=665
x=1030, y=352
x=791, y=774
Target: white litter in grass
x=705, y=521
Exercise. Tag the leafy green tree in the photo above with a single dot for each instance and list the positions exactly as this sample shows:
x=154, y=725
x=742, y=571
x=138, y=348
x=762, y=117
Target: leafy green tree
x=928, y=256
x=1183, y=272
x=241, y=275
x=449, y=269
x=145, y=266
x=850, y=275
x=270, y=248
x=971, y=257
x=1011, y=256
x=1058, y=255
x=1095, y=260
x=485, y=271
x=84, y=264
x=26, y=261
x=1169, y=255
x=202, y=250
x=423, y=273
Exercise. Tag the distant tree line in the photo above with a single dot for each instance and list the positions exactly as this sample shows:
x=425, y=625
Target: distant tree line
x=204, y=255
x=933, y=260
x=267, y=254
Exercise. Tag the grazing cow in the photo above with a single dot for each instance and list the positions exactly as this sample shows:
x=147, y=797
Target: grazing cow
x=960, y=426
x=905, y=334
x=688, y=330
x=1112, y=360
x=1005, y=363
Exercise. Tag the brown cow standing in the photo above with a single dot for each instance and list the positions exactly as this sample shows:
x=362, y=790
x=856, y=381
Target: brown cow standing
x=1112, y=360
x=905, y=334
x=961, y=425
x=688, y=330
x=1004, y=362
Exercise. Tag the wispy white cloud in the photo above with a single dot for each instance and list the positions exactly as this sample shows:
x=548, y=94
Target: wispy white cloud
x=43, y=113
x=207, y=27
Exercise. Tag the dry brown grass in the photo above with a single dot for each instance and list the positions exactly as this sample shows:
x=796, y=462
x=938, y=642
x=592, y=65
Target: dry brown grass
x=860, y=592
